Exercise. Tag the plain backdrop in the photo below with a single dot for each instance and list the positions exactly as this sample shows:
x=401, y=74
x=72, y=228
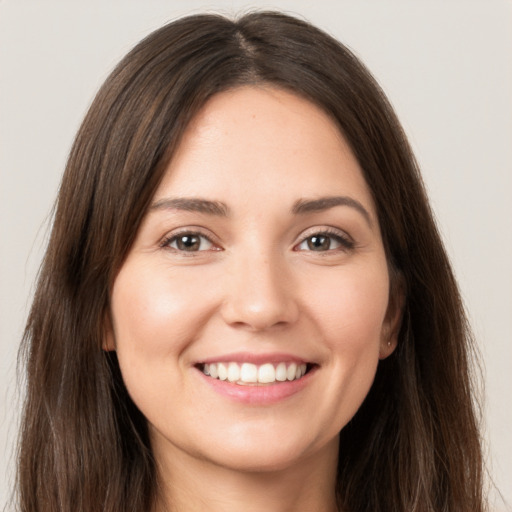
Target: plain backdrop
x=445, y=65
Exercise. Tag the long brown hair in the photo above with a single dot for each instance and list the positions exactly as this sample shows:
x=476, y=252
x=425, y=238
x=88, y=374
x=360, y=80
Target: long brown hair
x=414, y=443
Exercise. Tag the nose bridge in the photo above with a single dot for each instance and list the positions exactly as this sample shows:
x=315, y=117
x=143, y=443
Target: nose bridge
x=260, y=291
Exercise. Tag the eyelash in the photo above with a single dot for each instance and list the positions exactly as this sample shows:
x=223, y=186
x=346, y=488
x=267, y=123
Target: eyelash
x=166, y=243
x=345, y=242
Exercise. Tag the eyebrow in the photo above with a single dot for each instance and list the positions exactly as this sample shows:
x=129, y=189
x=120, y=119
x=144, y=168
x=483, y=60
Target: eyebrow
x=325, y=203
x=300, y=207
x=192, y=204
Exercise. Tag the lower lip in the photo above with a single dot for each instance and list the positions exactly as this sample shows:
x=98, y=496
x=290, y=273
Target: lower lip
x=258, y=395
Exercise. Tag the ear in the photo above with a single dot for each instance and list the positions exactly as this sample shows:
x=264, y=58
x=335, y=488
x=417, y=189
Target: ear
x=108, y=343
x=393, y=319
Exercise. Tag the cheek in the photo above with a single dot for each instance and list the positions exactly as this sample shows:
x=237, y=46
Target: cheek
x=351, y=314
x=351, y=306
x=152, y=310
x=155, y=316
x=154, y=319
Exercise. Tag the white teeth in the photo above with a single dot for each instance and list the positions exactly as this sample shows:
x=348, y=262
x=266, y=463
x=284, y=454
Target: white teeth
x=266, y=373
x=281, y=372
x=213, y=371
x=223, y=371
x=290, y=373
x=249, y=373
x=233, y=372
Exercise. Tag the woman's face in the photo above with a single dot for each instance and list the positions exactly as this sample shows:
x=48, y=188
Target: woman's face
x=260, y=259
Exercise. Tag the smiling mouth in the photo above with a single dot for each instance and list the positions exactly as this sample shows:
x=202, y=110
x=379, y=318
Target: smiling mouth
x=248, y=374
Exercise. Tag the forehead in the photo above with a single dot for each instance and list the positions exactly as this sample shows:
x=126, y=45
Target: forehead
x=254, y=139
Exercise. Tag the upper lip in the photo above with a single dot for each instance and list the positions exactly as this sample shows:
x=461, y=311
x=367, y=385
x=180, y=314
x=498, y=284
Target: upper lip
x=257, y=359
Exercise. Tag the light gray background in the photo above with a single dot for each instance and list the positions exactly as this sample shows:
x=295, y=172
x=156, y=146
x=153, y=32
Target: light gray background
x=446, y=66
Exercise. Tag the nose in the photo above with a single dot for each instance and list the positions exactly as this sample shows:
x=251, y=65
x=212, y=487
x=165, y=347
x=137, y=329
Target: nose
x=259, y=294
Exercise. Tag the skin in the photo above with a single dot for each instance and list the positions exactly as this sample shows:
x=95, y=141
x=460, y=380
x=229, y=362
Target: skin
x=253, y=286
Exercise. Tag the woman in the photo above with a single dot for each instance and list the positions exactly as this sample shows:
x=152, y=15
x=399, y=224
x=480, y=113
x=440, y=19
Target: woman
x=245, y=303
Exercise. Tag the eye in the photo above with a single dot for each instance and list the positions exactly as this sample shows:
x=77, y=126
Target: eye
x=325, y=241
x=189, y=242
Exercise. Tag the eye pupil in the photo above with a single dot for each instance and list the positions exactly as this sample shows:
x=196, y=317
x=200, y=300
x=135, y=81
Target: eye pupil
x=319, y=243
x=188, y=243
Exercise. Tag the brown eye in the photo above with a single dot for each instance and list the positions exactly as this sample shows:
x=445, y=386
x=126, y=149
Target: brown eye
x=325, y=242
x=189, y=242
x=319, y=243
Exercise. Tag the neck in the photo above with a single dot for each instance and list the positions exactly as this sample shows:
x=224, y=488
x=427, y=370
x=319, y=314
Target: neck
x=193, y=485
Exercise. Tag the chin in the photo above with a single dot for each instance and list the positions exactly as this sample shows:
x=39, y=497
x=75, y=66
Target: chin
x=267, y=452
x=258, y=460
